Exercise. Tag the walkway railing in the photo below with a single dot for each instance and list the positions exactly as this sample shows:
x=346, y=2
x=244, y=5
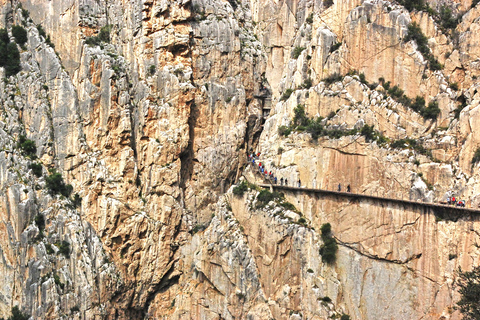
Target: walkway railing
x=365, y=196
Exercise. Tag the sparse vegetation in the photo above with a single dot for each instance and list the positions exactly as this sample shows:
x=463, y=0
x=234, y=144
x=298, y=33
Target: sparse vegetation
x=40, y=222
x=307, y=84
x=417, y=104
x=56, y=185
x=412, y=144
x=446, y=18
x=152, y=69
x=476, y=156
x=242, y=187
x=198, y=228
x=59, y=283
x=9, y=54
x=297, y=52
x=286, y=95
x=309, y=19
x=469, y=288
x=345, y=317
x=20, y=34
x=27, y=146
x=329, y=248
x=335, y=47
x=333, y=78
x=328, y=3
x=64, y=248
x=416, y=34
x=17, y=314
x=77, y=200
x=463, y=104
x=36, y=169
x=49, y=249
x=284, y=131
x=412, y=5
x=103, y=36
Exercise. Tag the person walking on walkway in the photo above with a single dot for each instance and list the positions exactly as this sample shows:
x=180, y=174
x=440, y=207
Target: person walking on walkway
x=339, y=187
x=299, y=183
x=286, y=182
x=281, y=181
x=348, y=188
x=275, y=180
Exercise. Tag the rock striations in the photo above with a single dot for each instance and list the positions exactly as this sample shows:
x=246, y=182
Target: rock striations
x=125, y=124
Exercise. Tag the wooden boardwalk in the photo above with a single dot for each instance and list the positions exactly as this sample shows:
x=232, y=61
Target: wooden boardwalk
x=350, y=195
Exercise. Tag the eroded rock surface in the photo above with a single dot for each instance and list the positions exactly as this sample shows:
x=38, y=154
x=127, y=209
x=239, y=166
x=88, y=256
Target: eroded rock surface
x=151, y=125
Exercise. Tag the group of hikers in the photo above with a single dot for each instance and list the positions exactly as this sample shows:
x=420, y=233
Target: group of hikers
x=270, y=177
x=453, y=201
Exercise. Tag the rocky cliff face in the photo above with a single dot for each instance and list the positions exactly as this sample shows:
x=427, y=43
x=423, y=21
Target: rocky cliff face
x=148, y=109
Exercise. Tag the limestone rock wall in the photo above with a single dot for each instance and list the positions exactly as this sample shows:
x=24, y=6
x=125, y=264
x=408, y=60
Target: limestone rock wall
x=153, y=125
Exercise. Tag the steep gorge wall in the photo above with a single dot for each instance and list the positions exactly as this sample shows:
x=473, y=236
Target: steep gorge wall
x=152, y=127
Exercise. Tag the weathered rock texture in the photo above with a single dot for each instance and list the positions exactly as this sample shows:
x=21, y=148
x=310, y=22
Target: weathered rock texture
x=152, y=126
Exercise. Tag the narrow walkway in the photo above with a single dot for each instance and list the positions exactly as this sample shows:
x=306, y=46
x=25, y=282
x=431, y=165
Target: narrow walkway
x=364, y=196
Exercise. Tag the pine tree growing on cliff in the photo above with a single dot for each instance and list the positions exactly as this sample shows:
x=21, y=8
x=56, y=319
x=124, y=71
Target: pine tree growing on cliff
x=469, y=289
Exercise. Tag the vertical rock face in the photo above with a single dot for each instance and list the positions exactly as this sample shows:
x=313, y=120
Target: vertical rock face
x=148, y=108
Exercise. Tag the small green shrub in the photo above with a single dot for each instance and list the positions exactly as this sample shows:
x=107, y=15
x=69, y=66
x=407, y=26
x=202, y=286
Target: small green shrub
x=328, y=3
x=309, y=19
x=300, y=118
x=333, y=78
x=415, y=33
x=103, y=36
x=49, y=249
x=284, y=131
x=286, y=95
x=310, y=270
x=56, y=185
x=412, y=5
x=432, y=111
x=18, y=315
x=20, y=35
x=476, y=156
x=447, y=20
x=40, y=222
x=74, y=309
x=64, y=248
x=345, y=317
x=288, y=206
x=241, y=188
x=368, y=132
x=41, y=31
x=58, y=282
x=77, y=200
x=297, y=52
x=315, y=129
x=36, y=168
x=307, y=84
x=9, y=55
x=326, y=299
x=198, y=228
x=335, y=47
x=265, y=196
x=468, y=284
x=329, y=248
x=27, y=146
x=474, y=3
x=152, y=69
x=454, y=86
